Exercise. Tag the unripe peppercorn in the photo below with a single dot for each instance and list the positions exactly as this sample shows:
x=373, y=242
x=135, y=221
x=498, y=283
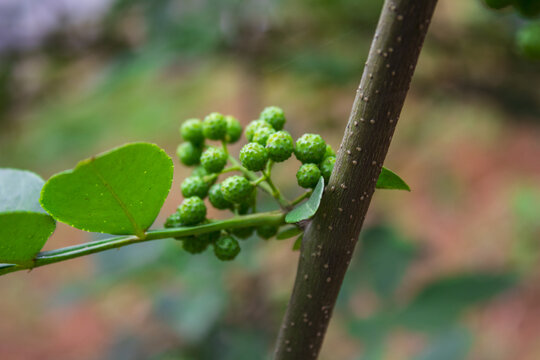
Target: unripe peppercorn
x=213, y=160
x=310, y=148
x=236, y=189
x=215, y=126
x=262, y=134
x=192, y=130
x=254, y=126
x=253, y=156
x=280, y=146
x=243, y=233
x=326, y=167
x=234, y=129
x=267, y=231
x=197, y=244
x=274, y=116
x=226, y=248
x=199, y=171
x=194, y=186
x=173, y=221
x=217, y=199
x=308, y=175
x=192, y=211
x=329, y=152
x=189, y=154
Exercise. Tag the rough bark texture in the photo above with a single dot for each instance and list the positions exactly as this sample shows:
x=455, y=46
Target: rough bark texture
x=332, y=234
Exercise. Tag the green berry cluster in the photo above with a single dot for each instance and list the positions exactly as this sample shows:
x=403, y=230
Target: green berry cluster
x=268, y=143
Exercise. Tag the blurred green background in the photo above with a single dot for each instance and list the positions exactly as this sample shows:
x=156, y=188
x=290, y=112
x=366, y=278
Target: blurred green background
x=449, y=271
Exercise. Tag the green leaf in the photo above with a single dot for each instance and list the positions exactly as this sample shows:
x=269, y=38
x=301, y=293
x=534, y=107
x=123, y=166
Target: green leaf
x=22, y=235
x=390, y=180
x=298, y=242
x=19, y=190
x=309, y=208
x=289, y=233
x=118, y=192
x=384, y=259
x=453, y=344
x=439, y=304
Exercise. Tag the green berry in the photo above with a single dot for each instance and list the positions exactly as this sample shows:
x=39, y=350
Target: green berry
x=213, y=160
x=234, y=129
x=197, y=244
x=527, y=8
x=194, y=186
x=189, y=154
x=226, y=248
x=217, y=199
x=199, y=171
x=528, y=40
x=280, y=146
x=308, y=176
x=253, y=156
x=262, y=134
x=243, y=233
x=193, y=244
x=274, y=116
x=254, y=126
x=215, y=126
x=236, y=189
x=173, y=220
x=192, y=211
x=329, y=152
x=192, y=130
x=310, y=148
x=326, y=167
x=267, y=231
x=498, y=4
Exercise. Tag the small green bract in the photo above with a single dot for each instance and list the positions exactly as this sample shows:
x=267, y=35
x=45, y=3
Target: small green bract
x=262, y=134
x=217, y=199
x=308, y=176
x=234, y=129
x=192, y=130
x=280, y=146
x=215, y=126
x=253, y=156
x=254, y=126
x=192, y=211
x=310, y=148
x=326, y=167
x=194, y=186
x=213, y=160
x=274, y=116
x=226, y=248
x=236, y=189
x=189, y=154
x=267, y=231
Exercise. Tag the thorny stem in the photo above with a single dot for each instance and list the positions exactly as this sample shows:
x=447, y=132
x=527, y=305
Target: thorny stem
x=330, y=237
x=72, y=252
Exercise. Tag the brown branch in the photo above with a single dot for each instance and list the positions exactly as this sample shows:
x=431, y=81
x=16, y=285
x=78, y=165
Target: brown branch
x=331, y=236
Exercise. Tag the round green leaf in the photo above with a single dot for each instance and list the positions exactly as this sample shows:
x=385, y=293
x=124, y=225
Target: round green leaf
x=118, y=192
x=19, y=190
x=309, y=208
x=22, y=235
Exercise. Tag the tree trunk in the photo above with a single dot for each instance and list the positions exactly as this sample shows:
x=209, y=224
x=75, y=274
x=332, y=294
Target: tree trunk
x=330, y=237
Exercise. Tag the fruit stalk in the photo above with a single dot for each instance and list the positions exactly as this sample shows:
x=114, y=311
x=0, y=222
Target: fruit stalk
x=331, y=236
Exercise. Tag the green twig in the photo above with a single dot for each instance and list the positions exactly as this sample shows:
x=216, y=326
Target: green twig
x=72, y=252
x=301, y=197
